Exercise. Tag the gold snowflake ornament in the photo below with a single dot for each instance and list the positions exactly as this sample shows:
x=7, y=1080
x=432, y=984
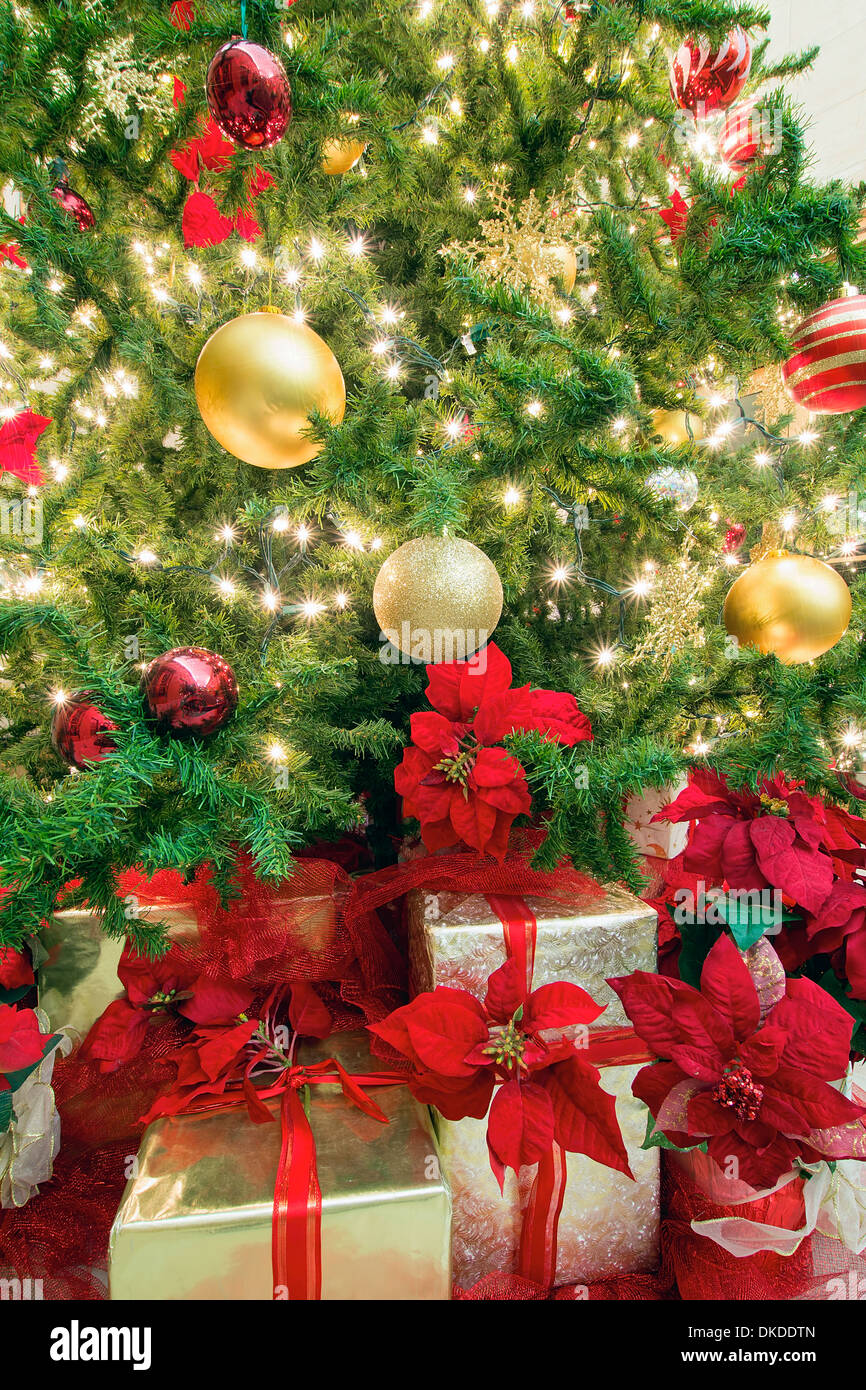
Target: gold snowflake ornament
x=527, y=246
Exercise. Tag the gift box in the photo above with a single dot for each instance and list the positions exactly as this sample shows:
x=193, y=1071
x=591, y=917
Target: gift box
x=609, y=1224
x=656, y=840
x=458, y=940
x=78, y=979
x=196, y=1219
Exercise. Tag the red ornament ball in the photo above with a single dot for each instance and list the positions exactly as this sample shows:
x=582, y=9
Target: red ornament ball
x=190, y=691
x=704, y=79
x=734, y=537
x=746, y=131
x=74, y=205
x=248, y=94
x=80, y=732
x=826, y=372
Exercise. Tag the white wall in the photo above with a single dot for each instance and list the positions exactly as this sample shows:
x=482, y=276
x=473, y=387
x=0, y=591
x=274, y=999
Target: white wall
x=833, y=93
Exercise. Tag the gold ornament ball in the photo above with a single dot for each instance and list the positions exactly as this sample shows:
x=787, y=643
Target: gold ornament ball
x=793, y=606
x=340, y=154
x=256, y=381
x=438, y=598
x=671, y=425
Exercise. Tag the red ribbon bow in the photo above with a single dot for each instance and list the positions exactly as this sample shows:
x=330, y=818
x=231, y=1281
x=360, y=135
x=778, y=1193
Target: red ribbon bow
x=296, y=1240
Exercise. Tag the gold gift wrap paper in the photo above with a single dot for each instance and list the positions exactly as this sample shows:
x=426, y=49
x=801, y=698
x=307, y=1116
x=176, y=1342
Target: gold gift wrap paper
x=78, y=978
x=457, y=940
x=195, y=1222
x=609, y=1223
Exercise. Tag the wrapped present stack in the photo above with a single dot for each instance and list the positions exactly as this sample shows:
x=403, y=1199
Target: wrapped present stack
x=609, y=1223
x=197, y=1218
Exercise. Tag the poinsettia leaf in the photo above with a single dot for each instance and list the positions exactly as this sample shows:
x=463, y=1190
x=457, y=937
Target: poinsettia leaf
x=506, y=991
x=16, y=1079
x=520, y=1127
x=697, y=938
x=11, y=996
x=5, y=1110
x=804, y=875
x=855, y=1007
x=726, y=982
x=309, y=1017
x=560, y=1005
x=747, y=922
x=584, y=1113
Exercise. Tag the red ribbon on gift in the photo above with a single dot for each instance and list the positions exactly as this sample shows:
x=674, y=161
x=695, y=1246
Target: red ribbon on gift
x=296, y=1231
x=606, y=1047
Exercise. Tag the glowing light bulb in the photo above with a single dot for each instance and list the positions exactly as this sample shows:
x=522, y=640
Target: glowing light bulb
x=146, y=557
x=512, y=497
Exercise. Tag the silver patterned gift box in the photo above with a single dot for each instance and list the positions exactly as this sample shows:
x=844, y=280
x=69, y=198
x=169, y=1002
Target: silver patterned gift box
x=609, y=1224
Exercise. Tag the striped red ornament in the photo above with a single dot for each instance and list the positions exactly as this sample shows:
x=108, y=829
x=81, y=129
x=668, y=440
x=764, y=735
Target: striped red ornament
x=826, y=372
x=741, y=136
x=705, y=79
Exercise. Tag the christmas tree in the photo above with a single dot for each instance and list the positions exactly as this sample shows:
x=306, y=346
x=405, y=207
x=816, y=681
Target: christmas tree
x=466, y=272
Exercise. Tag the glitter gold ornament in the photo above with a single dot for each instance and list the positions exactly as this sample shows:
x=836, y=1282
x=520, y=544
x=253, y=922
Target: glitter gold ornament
x=793, y=606
x=341, y=153
x=565, y=260
x=257, y=380
x=521, y=245
x=773, y=403
x=438, y=598
x=673, y=428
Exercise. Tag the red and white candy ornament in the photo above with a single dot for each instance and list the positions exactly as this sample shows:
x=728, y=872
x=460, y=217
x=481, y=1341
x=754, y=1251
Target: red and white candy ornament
x=705, y=79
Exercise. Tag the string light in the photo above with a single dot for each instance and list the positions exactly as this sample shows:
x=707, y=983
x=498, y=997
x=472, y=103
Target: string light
x=512, y=497
x=312, y=608
x=276, y=752
x=560, y=574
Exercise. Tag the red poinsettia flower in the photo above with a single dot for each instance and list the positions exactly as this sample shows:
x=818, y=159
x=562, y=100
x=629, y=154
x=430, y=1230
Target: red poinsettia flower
x=220, y=1054
x=155, y=988
x=15, y=969
x=839, y=929
x=11, y=251
x=18, y=438
x=677, y=216
x=453, y=779
x=775, y=837
x=756, y=1092
x=21, y=1042
x=468, y=1058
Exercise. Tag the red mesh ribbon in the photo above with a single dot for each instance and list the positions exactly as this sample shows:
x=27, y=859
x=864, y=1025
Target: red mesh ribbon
x=296, y=930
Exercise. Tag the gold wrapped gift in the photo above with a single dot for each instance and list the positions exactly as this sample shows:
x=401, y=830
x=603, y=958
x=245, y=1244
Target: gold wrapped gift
x=195, y=1221
x=609, y=1224
x=78, y=975
x=457, y=940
